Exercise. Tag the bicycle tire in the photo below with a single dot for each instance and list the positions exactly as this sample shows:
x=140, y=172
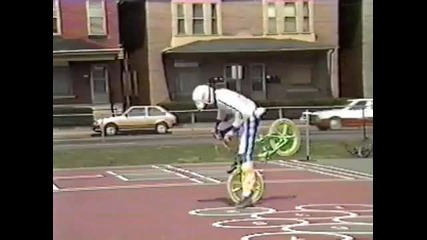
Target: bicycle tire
x=236, y=197
x=295, y=147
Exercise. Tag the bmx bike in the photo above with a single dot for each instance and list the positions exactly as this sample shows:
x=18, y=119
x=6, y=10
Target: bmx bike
x=283, y=138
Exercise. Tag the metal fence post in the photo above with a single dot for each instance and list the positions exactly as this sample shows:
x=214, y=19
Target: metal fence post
x=102, y=130
x=364, y=123
x=280, y=113
x=307, y=135
x=193, y=121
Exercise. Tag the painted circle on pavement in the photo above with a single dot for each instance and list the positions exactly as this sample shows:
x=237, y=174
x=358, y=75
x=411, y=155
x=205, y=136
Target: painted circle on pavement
x=229, y=211
x=367, y=219
x=296, y=236
x=257, y=223
x=356, y=208
x=306, y=214
x=340, y=228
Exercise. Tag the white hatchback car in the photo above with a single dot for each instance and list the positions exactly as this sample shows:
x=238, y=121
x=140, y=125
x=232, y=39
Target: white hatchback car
x=356, y=113
x=137, y=118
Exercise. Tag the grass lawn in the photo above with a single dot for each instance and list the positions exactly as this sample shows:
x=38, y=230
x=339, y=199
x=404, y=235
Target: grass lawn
x=174, y=154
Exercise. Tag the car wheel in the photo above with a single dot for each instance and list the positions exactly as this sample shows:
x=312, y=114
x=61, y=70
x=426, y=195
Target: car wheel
x=322, y=128
x=161, y=128
x=111, y=129
x=335, y=123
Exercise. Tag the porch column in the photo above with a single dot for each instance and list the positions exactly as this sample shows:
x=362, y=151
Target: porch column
x=333, y=71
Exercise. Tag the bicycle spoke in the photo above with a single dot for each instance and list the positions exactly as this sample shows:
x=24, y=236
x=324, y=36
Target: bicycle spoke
x=236, y=189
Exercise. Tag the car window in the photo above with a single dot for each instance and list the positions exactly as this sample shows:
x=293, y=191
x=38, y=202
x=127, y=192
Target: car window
x=152, y=111
x=137, y=112
x=359, y=105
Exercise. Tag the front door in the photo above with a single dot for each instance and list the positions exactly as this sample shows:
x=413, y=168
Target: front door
x=99, y=84
x=257, y=81
x=232, y=82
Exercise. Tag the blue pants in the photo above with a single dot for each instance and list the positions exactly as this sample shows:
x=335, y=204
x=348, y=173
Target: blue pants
x=248, y=134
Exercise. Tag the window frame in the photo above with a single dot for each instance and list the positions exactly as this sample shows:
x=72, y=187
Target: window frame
x=209, y=18
x=295, y=17
x=194, y=18
x=280, y=13
x=104, y=17
x=70, y=82
x=58, y=17
x=178, y=18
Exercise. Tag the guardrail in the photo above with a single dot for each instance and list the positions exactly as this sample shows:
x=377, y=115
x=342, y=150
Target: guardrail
x=193, y=112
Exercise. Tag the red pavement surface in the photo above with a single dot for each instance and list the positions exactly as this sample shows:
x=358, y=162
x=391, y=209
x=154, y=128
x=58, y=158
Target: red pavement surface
x=98, y=206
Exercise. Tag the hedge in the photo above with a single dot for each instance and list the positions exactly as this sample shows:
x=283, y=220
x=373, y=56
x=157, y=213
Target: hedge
x=69, y=121
x=72, y=121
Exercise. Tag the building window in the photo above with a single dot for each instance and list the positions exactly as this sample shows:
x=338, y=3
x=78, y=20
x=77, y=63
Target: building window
x=56, y=18
x=198, y=19
x=285, y=17
x=214, y=20
x=290, y=20
x=62, y=82
x=271, y=18
x=306, y=17
x=96, y=17
x=180, y=19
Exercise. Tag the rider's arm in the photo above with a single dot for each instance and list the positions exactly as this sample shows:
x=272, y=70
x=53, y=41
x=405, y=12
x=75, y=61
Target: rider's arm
x=220, y=117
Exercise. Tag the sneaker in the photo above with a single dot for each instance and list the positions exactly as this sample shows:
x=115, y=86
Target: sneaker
x=234, y=165
x=232, y=168
x=246, y=202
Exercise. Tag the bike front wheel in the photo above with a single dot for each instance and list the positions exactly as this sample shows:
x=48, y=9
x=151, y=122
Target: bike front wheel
x=235, y=188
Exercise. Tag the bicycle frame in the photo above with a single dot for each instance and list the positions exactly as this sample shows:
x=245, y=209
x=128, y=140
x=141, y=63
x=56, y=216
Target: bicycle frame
x=267, y=151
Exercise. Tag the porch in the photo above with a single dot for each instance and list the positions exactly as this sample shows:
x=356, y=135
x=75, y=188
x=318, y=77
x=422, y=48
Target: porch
x=261, y=69
x=85, y=74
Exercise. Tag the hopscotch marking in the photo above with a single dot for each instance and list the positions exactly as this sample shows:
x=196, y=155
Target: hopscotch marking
x=55, y=188
x=117, y=176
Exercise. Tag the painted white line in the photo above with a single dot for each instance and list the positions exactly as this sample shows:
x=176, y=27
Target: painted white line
x=229, y=211
x=55, y=188
x=261, y=223
x=193, y=173
x=65, y=146
x=320, y=235
x=78, y=177
x=315, y=171
x=324, y=169
x=117, y=176
x=178, y=174
x=171, y=185
x=146, y=166
x=335, y=168
x=137, y=179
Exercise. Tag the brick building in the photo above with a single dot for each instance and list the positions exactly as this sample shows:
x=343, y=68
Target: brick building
x=86, y=53
x=282, y=49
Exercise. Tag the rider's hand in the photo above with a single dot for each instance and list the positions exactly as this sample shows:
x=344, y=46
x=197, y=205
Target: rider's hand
x=217, y=135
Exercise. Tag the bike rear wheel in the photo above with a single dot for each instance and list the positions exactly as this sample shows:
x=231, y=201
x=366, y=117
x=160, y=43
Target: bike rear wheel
x=284, y=130
x=235, y=189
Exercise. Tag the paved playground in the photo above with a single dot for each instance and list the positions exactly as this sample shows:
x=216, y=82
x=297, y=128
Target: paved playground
x=304, y=201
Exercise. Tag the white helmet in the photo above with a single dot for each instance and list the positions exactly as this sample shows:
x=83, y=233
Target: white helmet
x=203, y=95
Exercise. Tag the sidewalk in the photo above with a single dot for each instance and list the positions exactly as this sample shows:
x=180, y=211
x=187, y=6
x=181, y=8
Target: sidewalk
x=86, y=132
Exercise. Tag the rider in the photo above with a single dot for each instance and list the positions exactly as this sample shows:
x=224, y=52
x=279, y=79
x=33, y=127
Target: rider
x=246, y=119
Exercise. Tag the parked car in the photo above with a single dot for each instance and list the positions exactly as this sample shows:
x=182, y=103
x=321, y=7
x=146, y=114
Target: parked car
x=137, y=118
x=356, y=113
